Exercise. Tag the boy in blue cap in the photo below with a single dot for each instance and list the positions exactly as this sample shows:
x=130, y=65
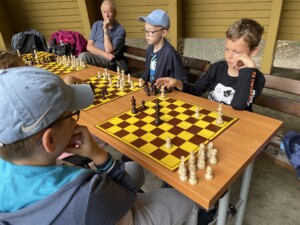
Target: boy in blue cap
x=162, y=60
x=39, y=112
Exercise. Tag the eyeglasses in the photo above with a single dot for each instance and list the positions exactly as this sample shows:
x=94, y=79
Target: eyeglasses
x=150, y=33
x=75, y=116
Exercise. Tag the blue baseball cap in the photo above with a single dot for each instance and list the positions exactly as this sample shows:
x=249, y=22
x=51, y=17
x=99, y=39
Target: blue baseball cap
x=33, y=98
x=157, y=17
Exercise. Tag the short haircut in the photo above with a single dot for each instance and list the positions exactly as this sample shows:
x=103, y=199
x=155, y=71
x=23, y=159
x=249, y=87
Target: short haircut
x=19, y=149
x=248, y=29
x=113, y=6
x=8, y=60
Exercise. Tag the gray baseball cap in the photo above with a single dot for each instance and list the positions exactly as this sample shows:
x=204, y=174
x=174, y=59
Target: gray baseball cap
x=157, y=17
x=33, y=98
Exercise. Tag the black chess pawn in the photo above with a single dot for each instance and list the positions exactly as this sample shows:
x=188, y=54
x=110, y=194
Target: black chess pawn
x=143, y=104
x=157, y=118
x=103, y=95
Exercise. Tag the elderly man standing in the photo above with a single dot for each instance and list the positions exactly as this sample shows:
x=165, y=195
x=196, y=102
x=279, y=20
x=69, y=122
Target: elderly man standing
x=106, y=41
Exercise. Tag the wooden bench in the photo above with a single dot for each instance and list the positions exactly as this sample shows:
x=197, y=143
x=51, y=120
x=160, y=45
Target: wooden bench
x=281, y=95
x=135, y=58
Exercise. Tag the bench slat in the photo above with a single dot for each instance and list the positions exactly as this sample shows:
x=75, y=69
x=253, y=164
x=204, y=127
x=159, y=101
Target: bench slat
x=283, y=84
x=279, y=104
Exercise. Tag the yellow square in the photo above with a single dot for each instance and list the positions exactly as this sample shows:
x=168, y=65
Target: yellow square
x=116, y=121
x=148, y=137
x=184, y=125
x=129, y=138
x=165, y=126
x=131, y=128
x=206, y=133
x=114, y=129
x=170, y=161
x=185, y=135
x=148, y=119
x=132, y=120
x=165, y=135
x=188, y=146
x=148, y=148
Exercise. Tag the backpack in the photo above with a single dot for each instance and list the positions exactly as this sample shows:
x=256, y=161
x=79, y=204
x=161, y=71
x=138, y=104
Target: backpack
x=291, y=145
x=65, y=37
x=27, y=41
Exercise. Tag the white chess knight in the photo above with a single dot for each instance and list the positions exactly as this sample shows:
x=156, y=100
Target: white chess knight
x=182, y=171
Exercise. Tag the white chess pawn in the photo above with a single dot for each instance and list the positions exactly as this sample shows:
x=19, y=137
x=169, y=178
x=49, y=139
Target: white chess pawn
x=193, y=178
x=182, y=171
x=117, y=84
x=128, y=78
x=209, y=173
x=109, y=82
x=197, y=113
x=132, y=85
x=99, y=75
x=168, y=142
x=140, y=82
x=210, y=147
x=201, y=162
x=213, y=158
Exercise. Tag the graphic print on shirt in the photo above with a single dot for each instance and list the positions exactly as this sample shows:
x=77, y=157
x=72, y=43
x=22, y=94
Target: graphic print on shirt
x=222, y=93
x=152, y=67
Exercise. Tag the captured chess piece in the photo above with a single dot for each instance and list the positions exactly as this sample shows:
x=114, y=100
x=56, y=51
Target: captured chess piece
x=210, y=147
x=213, y=157
x=192, y=162
x=201, y=162
x=209, y=173
x=193, y=178
x=182, y=171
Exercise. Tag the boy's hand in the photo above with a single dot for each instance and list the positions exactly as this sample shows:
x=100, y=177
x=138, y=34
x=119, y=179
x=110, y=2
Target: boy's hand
x=169, y=83
x=72, y=80
x=83, y=144
x=244, y=61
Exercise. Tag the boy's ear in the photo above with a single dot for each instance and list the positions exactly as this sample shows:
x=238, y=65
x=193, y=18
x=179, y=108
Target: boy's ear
x=254, y=52
x=47, y=139
x=164, y=33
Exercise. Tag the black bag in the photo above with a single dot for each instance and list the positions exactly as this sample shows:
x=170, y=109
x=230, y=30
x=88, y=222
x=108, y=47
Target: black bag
x=28, y=41
x=62, y=49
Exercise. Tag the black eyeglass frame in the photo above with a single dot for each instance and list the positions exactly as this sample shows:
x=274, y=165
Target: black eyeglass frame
x=151, y=33
x=77, y=112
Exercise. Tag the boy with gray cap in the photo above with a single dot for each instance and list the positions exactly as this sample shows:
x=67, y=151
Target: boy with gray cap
x=162, y=60
x=39, y=113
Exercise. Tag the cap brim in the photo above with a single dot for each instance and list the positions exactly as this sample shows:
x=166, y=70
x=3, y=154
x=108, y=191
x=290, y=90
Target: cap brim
x=83, y=96
x=148, y=20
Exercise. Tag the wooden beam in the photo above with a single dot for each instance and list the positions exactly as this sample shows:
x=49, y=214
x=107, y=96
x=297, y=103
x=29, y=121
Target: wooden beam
x=85, y=18
x=271, y=41
x=174, y=13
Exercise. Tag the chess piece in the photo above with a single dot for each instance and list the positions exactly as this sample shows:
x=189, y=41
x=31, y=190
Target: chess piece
x=193, y=178
x=162, y=91
x=168, y=143
x=197, y=113
x=131, y=85
x=219, y=120
x=182, y=171
x=143, y=104
x=213, y=158
x=210, y=147
x=201, y=162
x=192, y=162
x=209, y=173
x=128, y=78
x=140, y=82
x=117, y=84
x=133, y=103
x=109, y=82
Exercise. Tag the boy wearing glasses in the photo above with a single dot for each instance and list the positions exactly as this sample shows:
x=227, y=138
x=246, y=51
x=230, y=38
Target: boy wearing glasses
x=162, y=60
x=39, y=112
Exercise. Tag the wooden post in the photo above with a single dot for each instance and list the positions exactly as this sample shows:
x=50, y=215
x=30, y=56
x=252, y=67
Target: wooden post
x=85, y=17
x=175, y=9
x=271, y=41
